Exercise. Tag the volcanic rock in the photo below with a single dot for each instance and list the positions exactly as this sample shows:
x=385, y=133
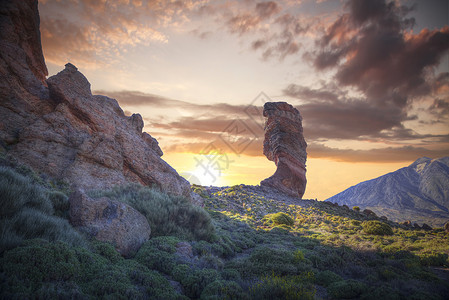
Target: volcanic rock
x=109, y=221
x=285, y=145
x=426, y=226
x=407, y=223
x=58, y=127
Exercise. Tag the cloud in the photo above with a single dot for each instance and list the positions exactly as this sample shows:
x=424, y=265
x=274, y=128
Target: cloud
x=327, y=115
x=267, y=9
x=93, y=33
x=381, y=68
x=373, y=49
x=136, y=98
x=383, y=155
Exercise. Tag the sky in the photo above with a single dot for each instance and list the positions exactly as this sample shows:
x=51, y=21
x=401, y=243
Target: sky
x=370, y=79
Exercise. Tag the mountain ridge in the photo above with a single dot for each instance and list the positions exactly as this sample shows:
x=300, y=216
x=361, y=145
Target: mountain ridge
x=419, y=192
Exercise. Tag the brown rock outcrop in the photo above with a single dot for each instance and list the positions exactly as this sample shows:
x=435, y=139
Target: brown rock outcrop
x=58, y=127
x=285, y=145
x=426, y=226
x=109, y=221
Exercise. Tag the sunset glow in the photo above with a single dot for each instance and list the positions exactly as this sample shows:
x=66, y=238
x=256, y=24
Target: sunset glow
x=371, y=82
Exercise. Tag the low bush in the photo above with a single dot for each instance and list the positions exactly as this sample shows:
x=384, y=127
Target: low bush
x=265, y=261
x=346, y=289
x=377, y=228
x=57, y=270
x=433, y=259
x=327, y=277
x=28, y=210
x=194, y=281
x=279, y=219
x=383, y=292
x=286, y=287
x=158, y=254
x=166, y=214
x=222, y=289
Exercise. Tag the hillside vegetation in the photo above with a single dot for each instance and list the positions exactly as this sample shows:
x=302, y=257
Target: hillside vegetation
x=253, y=244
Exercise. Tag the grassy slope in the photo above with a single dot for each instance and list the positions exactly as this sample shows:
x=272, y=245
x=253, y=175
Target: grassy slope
x=265, y=246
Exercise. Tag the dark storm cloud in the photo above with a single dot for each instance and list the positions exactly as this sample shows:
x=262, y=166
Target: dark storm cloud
x=329, y=113
x=372, y=50
x=267, y=9
x=375, y=55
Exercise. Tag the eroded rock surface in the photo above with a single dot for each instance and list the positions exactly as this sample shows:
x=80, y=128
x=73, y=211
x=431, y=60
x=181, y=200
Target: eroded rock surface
x=109, y=221
x=285, y=145
x=58, y=127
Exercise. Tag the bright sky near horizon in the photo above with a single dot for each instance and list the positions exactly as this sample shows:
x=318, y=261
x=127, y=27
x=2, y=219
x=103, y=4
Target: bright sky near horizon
x=370, y=78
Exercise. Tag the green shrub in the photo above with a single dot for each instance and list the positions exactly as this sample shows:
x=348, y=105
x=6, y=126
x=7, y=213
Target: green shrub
x=327, y=277
x=56, y=270
x=279, y=219
x=387, y=273
x=356, y=208
x=222, y=289
x=377, y=228
x=157, y=255
x=230, y=274
x=27, y=212
x=106, y=250
x=287, y=287
x=18, y=191
x=383, y=292
x=355, y=222
x=346, y=289
x=38, y=261
x=194, y=281
x=298, y=256
x=265, y=261
x=60, y=203
x=166, y=214
x=59, y=290
x=433, y=259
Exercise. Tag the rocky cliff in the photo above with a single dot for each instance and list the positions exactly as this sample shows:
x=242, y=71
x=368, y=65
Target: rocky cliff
x=285, y=145
x=58, y=127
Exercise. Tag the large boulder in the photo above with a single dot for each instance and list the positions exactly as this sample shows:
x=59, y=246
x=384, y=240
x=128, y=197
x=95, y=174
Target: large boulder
x=109, y=221
x=285, y=145
x=58, y=127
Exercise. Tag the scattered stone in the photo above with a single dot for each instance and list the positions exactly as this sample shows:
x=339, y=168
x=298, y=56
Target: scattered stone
x=407, y=223
x=426, y=227
x=109, y=221
x=285, y=145
x=369, y=212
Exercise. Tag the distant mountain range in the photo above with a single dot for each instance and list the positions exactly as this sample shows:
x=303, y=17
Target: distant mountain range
x=419, y=192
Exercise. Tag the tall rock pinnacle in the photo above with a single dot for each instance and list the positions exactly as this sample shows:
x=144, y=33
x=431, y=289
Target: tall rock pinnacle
x=285, y=145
